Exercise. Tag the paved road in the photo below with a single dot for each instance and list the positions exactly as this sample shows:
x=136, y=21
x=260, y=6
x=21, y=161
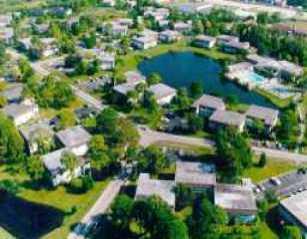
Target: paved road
x=150, y=137
x=100, y=207
x=88, y=99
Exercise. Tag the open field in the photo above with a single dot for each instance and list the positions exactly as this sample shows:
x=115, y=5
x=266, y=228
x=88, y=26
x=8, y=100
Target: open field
x=70, y=208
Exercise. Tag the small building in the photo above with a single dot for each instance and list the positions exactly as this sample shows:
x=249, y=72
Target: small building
x=107, y=61
x=164, y=189
x=57, y=172
x=116, y=30
x=224, y=118
x=13, y=93
x=157, y=14
x=163, y=93
x=235, y=47
x=169, y=36
x=238, y=201
x=33, y=133
x=199, y=176
x=144, y=43
x=204, y=41
x=5, y=20
x=183, y=27
x=266, y=115
x=240, y=67
x=6, y=34
x=108, y=3
x=125, y=21
x=289, y=70
x=207, y=104
x=134, y=77
x=294, y=211
x=21, y=113
x=223, y=39
x=49, y=46
x=76, y=139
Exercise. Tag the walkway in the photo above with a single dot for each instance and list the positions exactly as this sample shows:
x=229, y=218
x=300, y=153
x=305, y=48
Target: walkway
x=100, y=207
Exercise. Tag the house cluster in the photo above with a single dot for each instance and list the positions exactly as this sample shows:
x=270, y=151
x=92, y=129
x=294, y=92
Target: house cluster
x=162, y=92
x=214, y=109
x=237, y=200
x=44, y=47
x=227, y=43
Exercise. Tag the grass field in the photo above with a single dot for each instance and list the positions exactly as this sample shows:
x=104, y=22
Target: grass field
x=59, y=199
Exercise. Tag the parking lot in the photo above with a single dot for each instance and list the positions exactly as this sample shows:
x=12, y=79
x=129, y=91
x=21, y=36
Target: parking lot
x=284, y=185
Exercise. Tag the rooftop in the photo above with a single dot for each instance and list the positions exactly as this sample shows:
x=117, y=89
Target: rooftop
x=17, y=110
x=195, y=173
x=147, y=187
x=13, y=91
x=296, y=205
x=235, y=198
x=52, y=161
x=30, y=132
x=74, y=136
x=268, y=115
x=134, y=77
x=210, y=102
x=205, y=38
x=161, y=90
x=227, y=118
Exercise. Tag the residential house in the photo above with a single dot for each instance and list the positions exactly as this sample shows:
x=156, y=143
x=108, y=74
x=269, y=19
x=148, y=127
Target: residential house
x=34, y=133
x=223, y=39
x=125, y=21
x=294, y=211
x=199, y=176
x=169, y=36
x=76, y=139
x=49, y=46
x=107, y=61
x=237, y=200
x=268, y=116
x=203, y=41
x=144, y=43
x=13, y=93
x=290, y=70
x=183, y=27
x=162, y=93
x=157, y=14
x=207, y=104
x=240, y=67
x=5, y=20
x=6, y=34
x=108, y=3
x=116, y=30
x=147, y=187
x=21, y=113
x=235, y=47
x=57, y=171
x=224, y=118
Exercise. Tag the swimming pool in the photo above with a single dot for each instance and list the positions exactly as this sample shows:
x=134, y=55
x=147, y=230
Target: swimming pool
x=254, y=77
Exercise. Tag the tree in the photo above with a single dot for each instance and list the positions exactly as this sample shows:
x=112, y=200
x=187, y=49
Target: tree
x=262, y=160
x=107, y=121
x=35, y=168
x=152, y=160
x=233, y=151
x=195, y=122
x=98, y=153
x=89, y=41
x=181, y=101
x=184, y=196
x=196, y=89
x=291, y=232
x=154, y=78
x=66, y=119
x=11, y=143
x=69, y=161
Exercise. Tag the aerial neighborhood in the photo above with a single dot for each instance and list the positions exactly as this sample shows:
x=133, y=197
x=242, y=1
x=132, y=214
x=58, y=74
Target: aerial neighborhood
x=151, y=119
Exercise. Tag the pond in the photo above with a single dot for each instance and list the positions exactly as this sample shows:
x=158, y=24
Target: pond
x=180, y=69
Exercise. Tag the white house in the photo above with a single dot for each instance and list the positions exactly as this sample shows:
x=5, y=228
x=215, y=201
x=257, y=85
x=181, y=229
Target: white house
x=144, y=42
x=6, y=34
x=169, y=36
x=224, y=118
x=162, y=93
x=107, y=61
x=207, y=104
x=21, y=113
x=75, y=139
x=203, y=41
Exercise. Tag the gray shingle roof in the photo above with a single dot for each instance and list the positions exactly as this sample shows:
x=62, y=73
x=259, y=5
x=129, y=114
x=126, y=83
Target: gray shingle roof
x=268, y=115
x=17, y=110
x=161, y=90
x=227, y=118
x=30, y=132
x=74, y=136
x=210, y=102
x=195, y=173
x=235, y=198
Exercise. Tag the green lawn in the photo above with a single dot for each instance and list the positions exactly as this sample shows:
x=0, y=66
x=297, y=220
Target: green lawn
x=273, y=167
x=59, y=199
x=281, y=103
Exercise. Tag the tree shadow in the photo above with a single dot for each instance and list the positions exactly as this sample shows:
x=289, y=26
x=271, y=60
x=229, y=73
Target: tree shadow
x=28, y=220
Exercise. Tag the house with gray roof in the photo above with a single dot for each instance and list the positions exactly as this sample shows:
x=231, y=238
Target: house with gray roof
x=6, y=34
x=133, y=78
x=294, y=211
x=266, y=115
x=223, y=39
x=224, y=118
x=183, y=27
x=5, y=20
x=207, y=104
x=169, y=36
x=235, y=47
x=57, y=172
x=237, y=200
x=164, y=189
x=34, y=133
x=144, y=42
x=199, y=176
x=76, y=139
x=204, y=41
x=21, y=113
x=163, y=93
x=13, y=93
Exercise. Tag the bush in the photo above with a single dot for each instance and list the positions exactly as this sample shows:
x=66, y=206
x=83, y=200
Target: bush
x=81, y=185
